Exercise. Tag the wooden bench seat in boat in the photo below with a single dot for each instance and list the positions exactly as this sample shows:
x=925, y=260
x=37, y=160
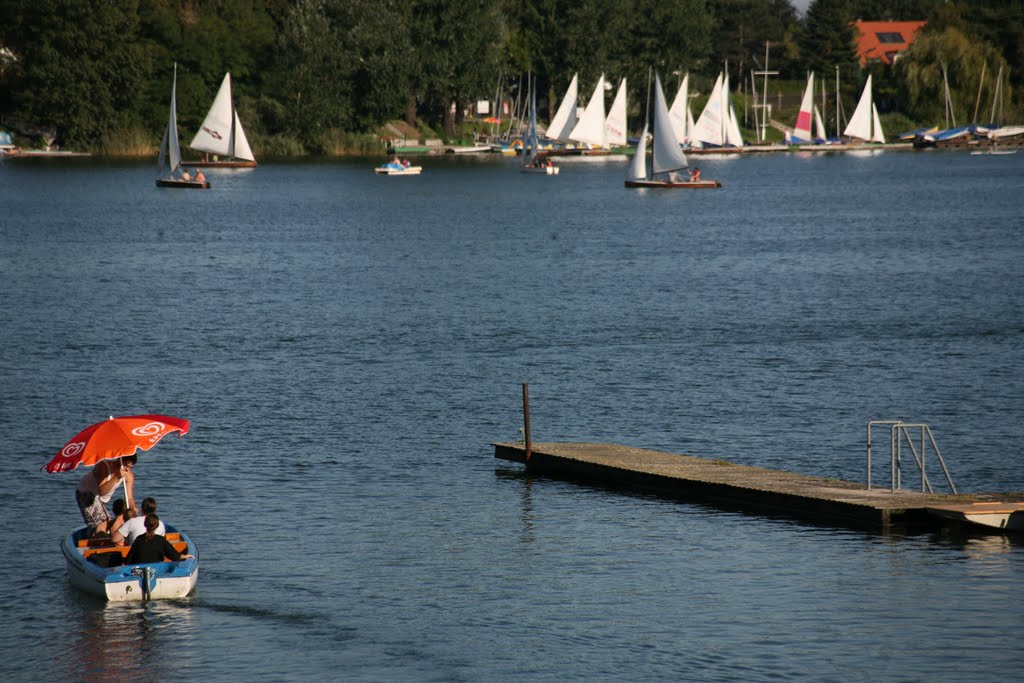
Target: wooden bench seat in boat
x=107, y=543
x=179, y=545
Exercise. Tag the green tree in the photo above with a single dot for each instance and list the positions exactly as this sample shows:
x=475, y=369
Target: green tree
x=920, y=73
x=828, y=37
x=742, y=27
x=314, y=77
x=78, y=68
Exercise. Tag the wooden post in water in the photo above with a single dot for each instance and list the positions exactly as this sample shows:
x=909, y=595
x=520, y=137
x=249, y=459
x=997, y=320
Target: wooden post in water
x=526, y=418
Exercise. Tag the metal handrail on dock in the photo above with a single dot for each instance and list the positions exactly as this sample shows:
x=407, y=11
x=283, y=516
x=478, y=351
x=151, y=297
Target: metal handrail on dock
x=898, y=433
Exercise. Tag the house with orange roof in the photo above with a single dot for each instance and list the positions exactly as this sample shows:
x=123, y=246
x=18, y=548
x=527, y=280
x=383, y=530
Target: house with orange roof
x=881, y=42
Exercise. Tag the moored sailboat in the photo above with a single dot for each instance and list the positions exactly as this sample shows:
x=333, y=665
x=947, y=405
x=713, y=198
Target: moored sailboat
x=680, y=115
x=222, y=135
x=667, y=157
x=717, y=125
x=169, y=169
x=865, y=124
x=802, y=129
x=565, y=117
x=615, y=124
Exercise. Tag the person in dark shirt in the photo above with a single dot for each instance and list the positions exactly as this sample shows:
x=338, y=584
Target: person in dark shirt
x=152, y=547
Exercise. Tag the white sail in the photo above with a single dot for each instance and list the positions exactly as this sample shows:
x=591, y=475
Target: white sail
x=666, y=155
x=638, y=166
x=679, y=112
x=170, y=151
x=733, y=137
x=876, y=126
x=590, y=127
x=802, y=130
x=860, y=123
x=565, y=117
x=819, y=126
x=615, y=124
x=217, y=135
x=242, y=150
x=709, y=129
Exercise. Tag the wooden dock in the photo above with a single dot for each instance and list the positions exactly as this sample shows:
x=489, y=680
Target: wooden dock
x=749, y=489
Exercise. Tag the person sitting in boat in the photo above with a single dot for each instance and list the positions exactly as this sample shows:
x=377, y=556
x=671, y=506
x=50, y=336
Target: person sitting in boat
x=153, y=547
x=97, y=486
x=185, y=175
x=200, y=176
x=135, y=526
x=694, y=175
x=122, y=513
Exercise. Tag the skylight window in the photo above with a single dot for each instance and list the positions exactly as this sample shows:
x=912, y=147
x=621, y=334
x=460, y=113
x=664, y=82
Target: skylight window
x=890, y=38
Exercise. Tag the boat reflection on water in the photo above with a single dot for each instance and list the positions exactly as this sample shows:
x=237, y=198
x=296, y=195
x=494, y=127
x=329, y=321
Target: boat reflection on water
x=131, y=641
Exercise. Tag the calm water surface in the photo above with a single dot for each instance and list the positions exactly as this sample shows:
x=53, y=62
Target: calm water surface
x=348, y=347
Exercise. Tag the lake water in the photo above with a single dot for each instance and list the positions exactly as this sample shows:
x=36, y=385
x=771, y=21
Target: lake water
x=348, y=347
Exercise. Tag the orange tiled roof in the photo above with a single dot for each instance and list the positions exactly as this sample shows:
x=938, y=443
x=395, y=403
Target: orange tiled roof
x=882, y=41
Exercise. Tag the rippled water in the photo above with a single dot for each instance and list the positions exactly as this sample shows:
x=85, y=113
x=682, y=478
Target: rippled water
x=348, y=347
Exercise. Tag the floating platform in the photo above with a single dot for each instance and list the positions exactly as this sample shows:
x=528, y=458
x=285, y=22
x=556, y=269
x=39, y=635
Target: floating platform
x=749, y=489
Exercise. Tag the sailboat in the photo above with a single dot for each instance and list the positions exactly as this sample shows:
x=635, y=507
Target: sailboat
x=615, y=124
x=680, y=114
x=532, y=160
x=590, y=129
x=565, y=118
x=717, y=125
x=865, y=124
x=169, y=170
x=802, y=129
x=221, y=133
x=667, y=157
x=820, y=136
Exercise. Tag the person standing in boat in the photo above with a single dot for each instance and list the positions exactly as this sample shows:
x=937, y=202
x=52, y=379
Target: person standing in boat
x=152, y=547
x=97, y=487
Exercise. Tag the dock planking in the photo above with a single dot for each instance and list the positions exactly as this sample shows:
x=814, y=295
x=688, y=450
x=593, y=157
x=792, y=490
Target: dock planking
x=751, y=489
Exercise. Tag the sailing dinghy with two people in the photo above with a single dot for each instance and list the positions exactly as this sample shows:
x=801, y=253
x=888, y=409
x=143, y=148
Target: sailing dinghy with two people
x=532, y=160
x=170, y=172
x=668, y=163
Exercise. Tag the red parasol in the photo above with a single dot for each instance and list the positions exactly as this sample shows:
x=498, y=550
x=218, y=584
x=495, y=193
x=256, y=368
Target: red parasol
x=114, y=438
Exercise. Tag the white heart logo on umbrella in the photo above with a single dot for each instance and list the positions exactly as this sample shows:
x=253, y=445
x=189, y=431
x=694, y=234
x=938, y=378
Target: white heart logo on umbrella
x=152, y=429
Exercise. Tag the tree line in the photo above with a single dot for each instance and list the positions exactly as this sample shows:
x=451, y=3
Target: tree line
x=311, y=76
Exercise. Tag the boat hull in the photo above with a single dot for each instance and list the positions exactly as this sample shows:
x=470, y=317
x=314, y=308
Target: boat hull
x=540, y=170
x=169, y=580
x=411, y=170
x=1002, y=516
x=183, y=184
x=240, y=163
x=681, y=185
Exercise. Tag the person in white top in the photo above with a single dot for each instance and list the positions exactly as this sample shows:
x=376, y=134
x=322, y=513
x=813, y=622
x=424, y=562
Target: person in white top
x=136, y=526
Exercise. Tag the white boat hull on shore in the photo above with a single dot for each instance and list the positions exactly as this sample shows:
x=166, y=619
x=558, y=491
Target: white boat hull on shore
x=1004, y=516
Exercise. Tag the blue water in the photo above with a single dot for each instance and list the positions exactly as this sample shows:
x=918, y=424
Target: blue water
x=348, y=347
